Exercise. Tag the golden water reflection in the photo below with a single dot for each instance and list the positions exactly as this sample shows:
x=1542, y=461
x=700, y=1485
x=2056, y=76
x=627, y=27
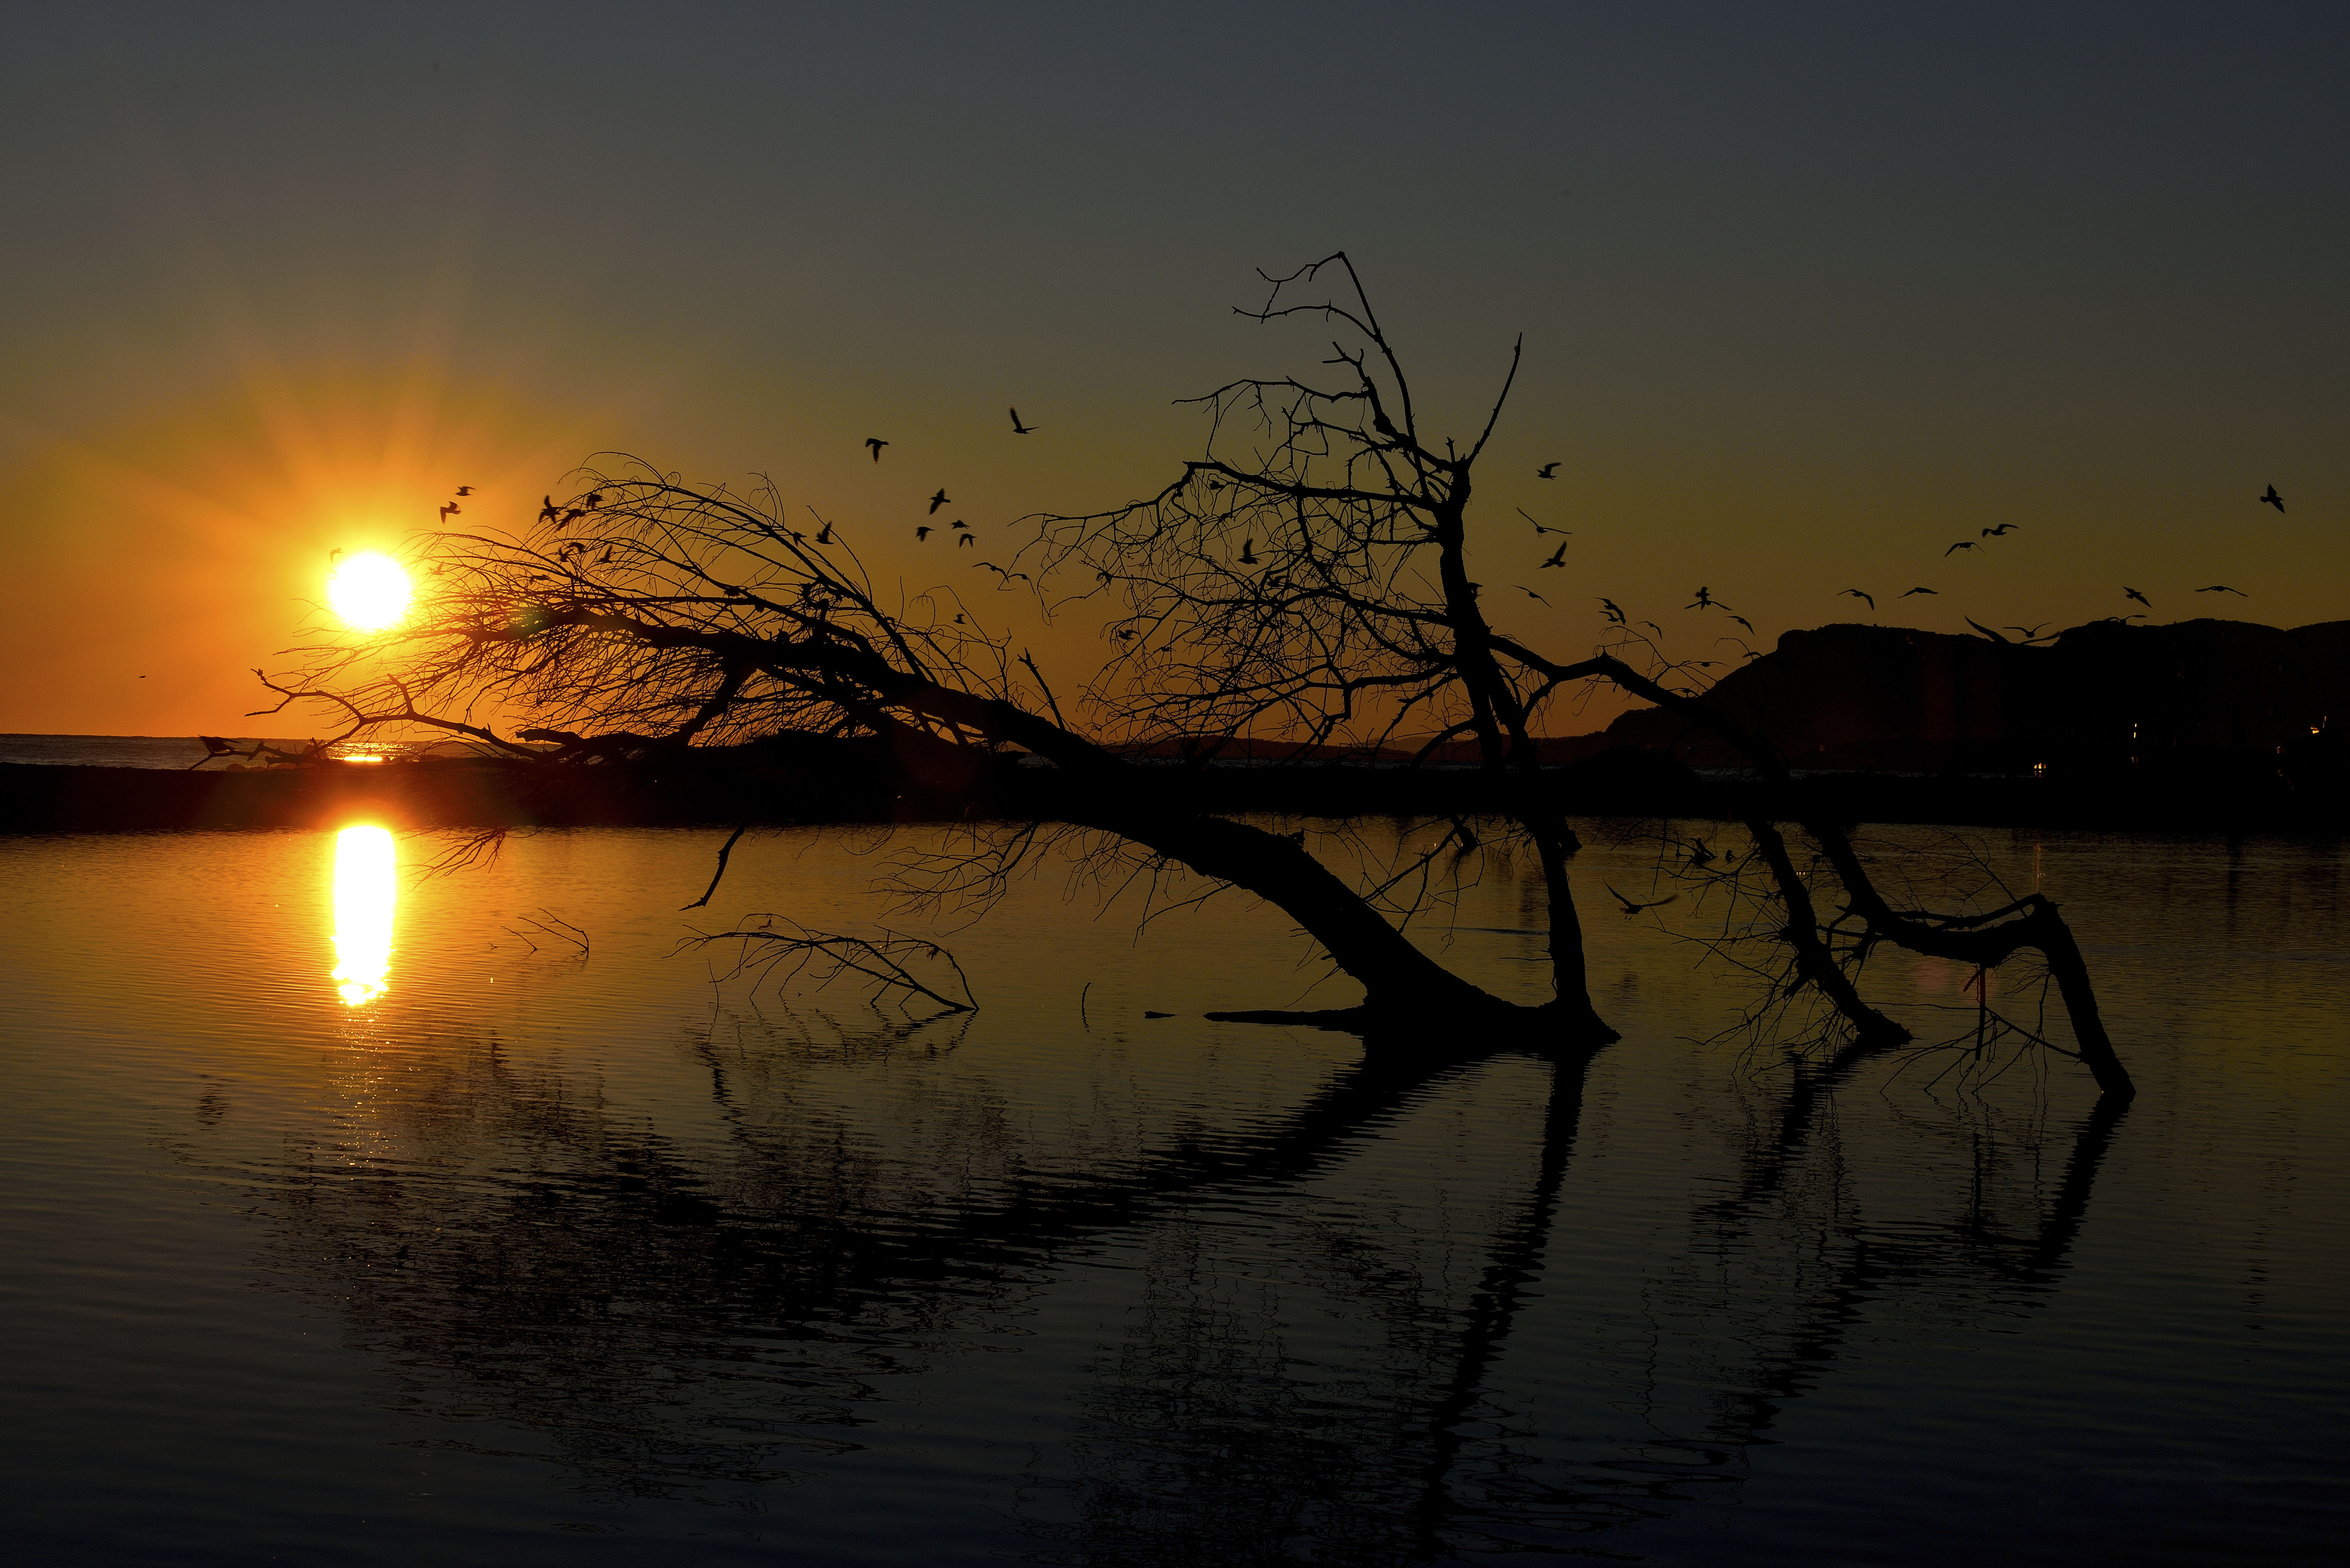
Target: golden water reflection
x=366, y=890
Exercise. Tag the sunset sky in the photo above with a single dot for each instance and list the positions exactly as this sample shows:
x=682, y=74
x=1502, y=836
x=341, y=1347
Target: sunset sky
x=1809, y=293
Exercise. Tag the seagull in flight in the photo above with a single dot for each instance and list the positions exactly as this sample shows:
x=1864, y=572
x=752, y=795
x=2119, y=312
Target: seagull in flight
x=2030, y=632
x=2273, y=499
x=548, y=511
x=1548, y=471
x=1706, y=601
x=1743, y=621
x=1982, y=629
x=1531, y=594
x=1248, y=552
x=1859, y=594
x=1630, y=907
x=921, y=531
x=2130, y=593
x=2224, y=589
x=465, y=489
x=1907, y=595
x=451, y=510
x=938, y=500
x=2000, y=530
x=966, y=537
x=1538, y=527
x=1614, y=611
x=1962, y=544
x=877, y=443
x=1558, y=556
x=1019, y=429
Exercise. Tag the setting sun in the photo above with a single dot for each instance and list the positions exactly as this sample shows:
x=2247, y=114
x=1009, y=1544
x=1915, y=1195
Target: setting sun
x=371, y=591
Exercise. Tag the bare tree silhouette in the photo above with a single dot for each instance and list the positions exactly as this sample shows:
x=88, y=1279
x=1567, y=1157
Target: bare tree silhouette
x=1305, y=582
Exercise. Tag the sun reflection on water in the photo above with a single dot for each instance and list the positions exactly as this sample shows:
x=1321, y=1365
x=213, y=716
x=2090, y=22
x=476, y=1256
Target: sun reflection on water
x=365, y=892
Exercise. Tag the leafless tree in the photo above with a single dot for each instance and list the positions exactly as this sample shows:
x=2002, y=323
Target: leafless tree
x=1307, y=582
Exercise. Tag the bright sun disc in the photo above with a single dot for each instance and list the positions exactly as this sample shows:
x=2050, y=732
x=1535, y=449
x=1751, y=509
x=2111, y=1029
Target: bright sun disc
x=370, y=592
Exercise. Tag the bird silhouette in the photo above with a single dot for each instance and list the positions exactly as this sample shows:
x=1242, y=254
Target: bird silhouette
x=333, y=552
x=2029, y=632
x=465, y=489
x=451, y=510
x=1548, y=470
x=549, y=511
x=966, y=538
x=1859, y=594
x=959, y=522
x=1018, y=428
x=999, y=572
x=2273, y=499
x=571, y=517
x=1248, y=552
x=1705, y=601
x=595, y=499
x=1962, y=544
x=1530, y=593
x=1982, y=629
x=2000, y=530
x=1700, y=855
x=1743, y=621
x=2130, y=593
x=825, y=537
x=2224, y=589
x=1630, y=907
x=921, y=531
x=938, y=500
x=1905, y=595
x=1539, y=528
x=876, y=444
x=1612, y=610
x=1127, y=635
x=1558, y=556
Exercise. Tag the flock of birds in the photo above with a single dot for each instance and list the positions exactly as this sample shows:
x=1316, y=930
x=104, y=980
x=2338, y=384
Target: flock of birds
x=552, y=512
x=1704, y=598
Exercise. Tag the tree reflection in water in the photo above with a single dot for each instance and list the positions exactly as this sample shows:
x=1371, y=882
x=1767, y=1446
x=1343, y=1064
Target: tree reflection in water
x=705, y=1321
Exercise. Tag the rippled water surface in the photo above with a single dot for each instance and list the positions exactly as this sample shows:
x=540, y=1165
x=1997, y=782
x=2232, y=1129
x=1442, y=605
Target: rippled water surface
x=353, y=1218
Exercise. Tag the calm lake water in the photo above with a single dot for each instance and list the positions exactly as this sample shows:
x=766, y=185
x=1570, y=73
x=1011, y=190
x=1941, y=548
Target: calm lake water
x=344, y=1224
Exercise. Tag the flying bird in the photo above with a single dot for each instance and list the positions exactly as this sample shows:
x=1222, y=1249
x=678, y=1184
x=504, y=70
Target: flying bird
x=2130, y=593
x=1743, y=621
x=1907, y=595
x=1248, y=552
x=465, y=489
x=1548, y=470
x=1982, y=629
x=2000, y=531
x=877, y=443
x=335, y=552
x=2029, y=632
x=1557, y=558
x=938, y=500
x=549, y=511
x=595, y=499
x=1859, y=594
x=1127, y=635
x=959, y=522
x=1962, y=544
x=1530, y=593
x=451, y=510
x=966, y=538
x=1633, y=908
x=825, y=537
x=1018, y=428
x=1613, y=611
x=2273, y=499
x=921, y=531
x=1706, y=601
x=2224, y=589
x=1538, y=527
